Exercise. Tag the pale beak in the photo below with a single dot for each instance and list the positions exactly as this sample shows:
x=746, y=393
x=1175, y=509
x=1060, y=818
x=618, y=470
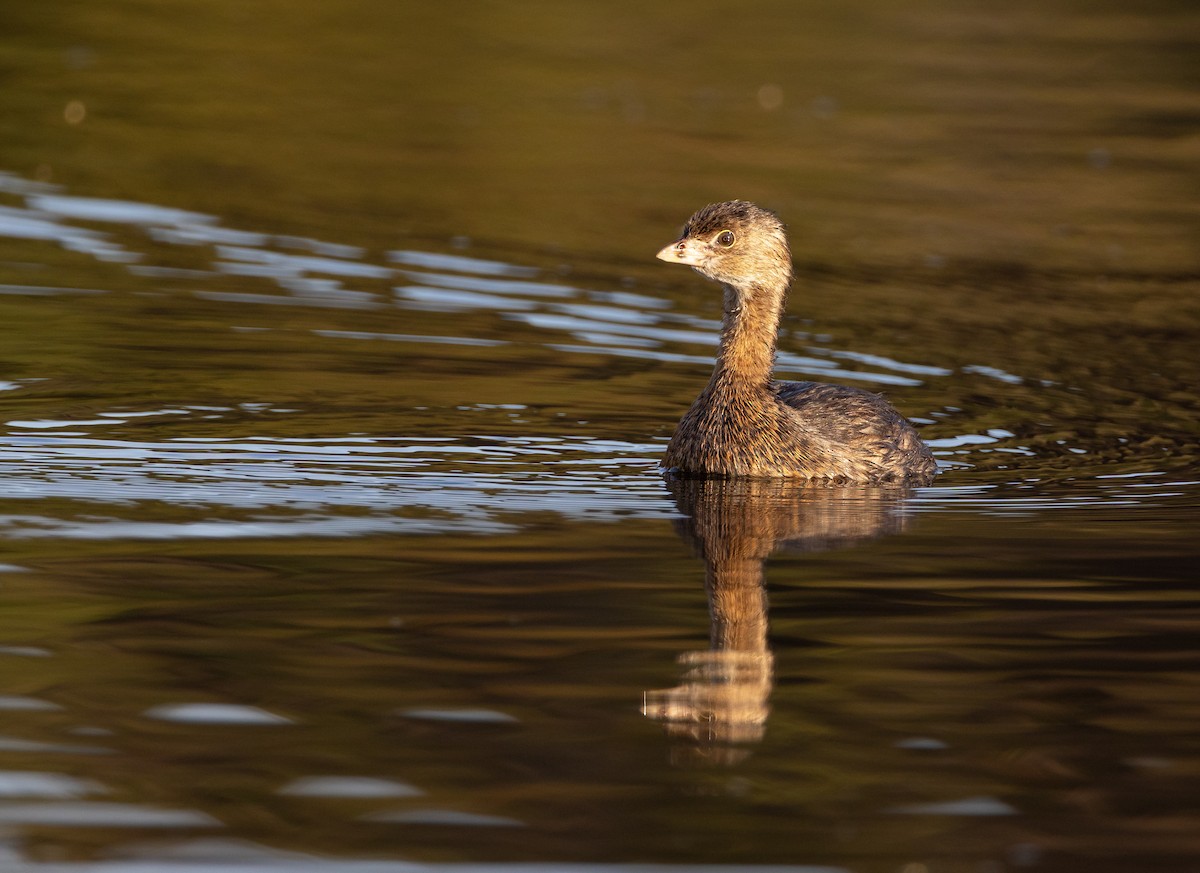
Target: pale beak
x=679, y=252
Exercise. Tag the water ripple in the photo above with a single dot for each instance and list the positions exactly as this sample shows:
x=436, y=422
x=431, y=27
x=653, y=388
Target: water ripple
x=264, y=486
x=107, y=815
x=615, y=323
x=350, y=486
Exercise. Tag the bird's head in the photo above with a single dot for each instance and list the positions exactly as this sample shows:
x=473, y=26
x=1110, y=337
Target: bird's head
x=735, y=243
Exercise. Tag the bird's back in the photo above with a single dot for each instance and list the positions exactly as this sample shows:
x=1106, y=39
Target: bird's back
x=861, y=426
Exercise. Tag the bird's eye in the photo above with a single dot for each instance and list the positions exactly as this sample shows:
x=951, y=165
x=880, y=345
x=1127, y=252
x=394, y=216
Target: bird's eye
x=725, y=238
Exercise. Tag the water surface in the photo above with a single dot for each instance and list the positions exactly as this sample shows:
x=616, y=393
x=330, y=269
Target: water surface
x=335, y=368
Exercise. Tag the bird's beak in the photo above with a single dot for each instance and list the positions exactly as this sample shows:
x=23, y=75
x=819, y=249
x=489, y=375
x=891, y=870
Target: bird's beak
x=679, y=252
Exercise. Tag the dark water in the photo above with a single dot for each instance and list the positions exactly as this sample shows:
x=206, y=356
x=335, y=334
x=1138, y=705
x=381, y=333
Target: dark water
x=335, y=367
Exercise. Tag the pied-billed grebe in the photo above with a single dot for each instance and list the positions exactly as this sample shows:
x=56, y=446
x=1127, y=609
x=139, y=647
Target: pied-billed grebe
x=744, y=423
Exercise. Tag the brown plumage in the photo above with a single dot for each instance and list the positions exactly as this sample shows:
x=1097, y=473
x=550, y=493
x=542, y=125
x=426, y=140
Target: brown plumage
x=744, y=423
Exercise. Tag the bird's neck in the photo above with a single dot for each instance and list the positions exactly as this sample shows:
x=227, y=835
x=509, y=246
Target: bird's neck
x=748, y=333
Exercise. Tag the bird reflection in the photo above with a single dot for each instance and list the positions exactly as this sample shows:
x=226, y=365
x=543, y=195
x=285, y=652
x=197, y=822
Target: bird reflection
x=735, y=525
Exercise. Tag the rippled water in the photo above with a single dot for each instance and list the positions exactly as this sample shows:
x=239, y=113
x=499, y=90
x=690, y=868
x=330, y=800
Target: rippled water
x=333, y=534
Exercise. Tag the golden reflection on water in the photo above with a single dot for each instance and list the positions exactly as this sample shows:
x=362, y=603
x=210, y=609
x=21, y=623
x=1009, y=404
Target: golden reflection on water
x=735, y=525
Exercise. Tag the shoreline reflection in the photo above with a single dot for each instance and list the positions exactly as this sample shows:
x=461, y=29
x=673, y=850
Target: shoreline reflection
x=723, y=702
